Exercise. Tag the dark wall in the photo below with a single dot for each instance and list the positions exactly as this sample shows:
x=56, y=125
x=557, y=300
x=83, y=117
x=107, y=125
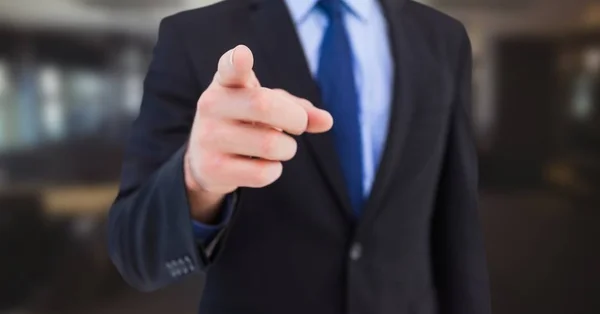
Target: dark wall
x=527, y=103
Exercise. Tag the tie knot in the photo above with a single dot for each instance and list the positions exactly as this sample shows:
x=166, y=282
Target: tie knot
x=332, y=8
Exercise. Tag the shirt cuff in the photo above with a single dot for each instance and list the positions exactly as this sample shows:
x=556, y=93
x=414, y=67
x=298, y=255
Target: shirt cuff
x=205, y=233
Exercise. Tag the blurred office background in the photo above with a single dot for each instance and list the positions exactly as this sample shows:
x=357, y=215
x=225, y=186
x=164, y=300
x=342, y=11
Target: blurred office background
x=71, y=73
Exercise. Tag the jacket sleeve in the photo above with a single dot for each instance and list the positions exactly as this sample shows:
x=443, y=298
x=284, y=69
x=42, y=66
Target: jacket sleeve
x=151, y=238
x=207, y=234
x=458, y=246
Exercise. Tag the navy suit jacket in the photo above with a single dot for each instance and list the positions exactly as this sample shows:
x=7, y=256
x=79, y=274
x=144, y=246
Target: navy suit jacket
x=295, y=247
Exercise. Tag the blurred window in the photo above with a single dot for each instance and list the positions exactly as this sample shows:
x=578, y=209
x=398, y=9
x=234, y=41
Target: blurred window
x=585, y=86
x=4, y=103
x=52, y=102
x=86, y=90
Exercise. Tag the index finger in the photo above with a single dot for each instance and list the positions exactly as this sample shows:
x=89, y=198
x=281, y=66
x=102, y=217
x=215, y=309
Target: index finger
x=235, y=68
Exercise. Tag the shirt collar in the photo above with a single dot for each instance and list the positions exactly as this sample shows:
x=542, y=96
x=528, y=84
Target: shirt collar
x=300, y=9
x=361, y=8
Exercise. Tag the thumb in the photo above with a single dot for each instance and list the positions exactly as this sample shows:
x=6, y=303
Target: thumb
x=319, y=120
x=235, y=68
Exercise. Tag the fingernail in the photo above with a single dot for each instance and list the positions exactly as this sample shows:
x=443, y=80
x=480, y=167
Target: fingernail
x=231, y=56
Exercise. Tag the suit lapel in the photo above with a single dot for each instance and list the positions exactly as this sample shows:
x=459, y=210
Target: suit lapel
x=284, y=66
x=401, y=109
x=281, y=63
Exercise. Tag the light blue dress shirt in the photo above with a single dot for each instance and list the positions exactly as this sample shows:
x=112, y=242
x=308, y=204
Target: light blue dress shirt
x=373, y=64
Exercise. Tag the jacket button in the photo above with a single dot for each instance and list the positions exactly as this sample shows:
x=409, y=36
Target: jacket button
x=356, y=251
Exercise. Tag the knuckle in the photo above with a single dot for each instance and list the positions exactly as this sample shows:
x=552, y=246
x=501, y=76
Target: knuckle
x=259, y=102
x=281, y=91
x=291, y=149
x=206, y=132
x=259, y=177
x=303, y=120
x=208, y=101
x=264, y=174
x=299, y=123
x=268, y=145
x=210, y=165
x=305, y=103
x=203, y=167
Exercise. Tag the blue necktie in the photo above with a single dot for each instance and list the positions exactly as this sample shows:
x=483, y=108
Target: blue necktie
x=339, y=94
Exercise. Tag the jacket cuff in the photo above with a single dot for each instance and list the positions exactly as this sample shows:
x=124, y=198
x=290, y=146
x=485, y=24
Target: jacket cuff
x=205, y=234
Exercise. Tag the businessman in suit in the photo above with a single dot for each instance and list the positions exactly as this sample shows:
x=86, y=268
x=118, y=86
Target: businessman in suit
x=327, y=167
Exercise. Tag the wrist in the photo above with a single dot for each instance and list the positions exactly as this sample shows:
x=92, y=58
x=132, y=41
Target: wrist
x=204, y=205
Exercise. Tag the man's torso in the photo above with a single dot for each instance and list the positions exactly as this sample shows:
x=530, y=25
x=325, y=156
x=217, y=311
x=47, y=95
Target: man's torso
x=297, y=240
